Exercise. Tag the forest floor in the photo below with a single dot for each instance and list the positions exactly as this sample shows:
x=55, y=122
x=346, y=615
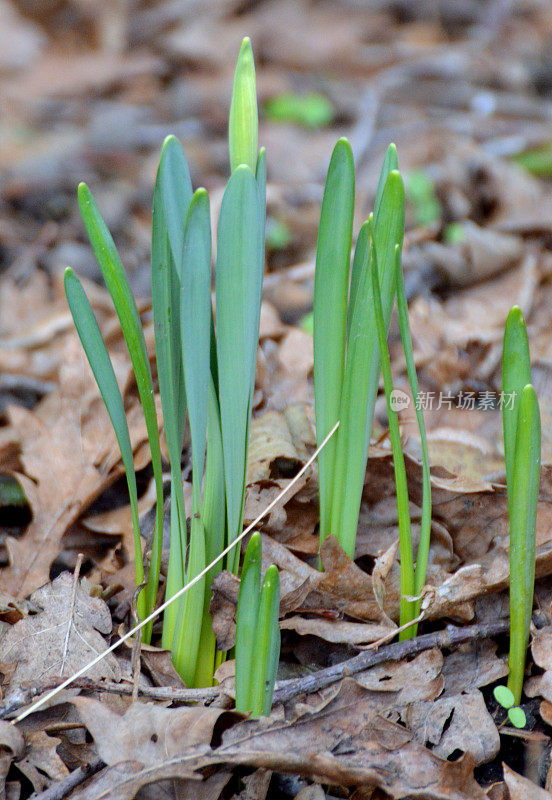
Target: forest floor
x=88, y=91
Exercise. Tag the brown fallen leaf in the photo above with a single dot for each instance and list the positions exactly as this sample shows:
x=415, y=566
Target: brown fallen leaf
x=41, y=763
x=37, y=643
x=12, y=746
x=68, y=460
x=342, y=742
x=460, y=722
x=255, y=785
x=147, y=733
x=472, y=666
x=521, y=788
x=337, y=631
x=407, y=681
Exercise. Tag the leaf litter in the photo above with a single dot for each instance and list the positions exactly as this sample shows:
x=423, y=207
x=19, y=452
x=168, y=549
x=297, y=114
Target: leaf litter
x=423, y=725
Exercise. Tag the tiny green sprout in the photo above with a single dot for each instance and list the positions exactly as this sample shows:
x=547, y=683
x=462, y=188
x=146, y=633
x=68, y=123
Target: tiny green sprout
x=257, y=633
x=243, y=126
x=278, y=234
x=454, y=233
x=420, y=192
x=537, y=161
x=517, y=717
x=312, y=110
x=505, y=698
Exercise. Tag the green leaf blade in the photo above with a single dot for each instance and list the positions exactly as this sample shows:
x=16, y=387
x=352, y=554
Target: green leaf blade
x=239, y=273
x=523, y=519
x=331, y=284
x=243, y=124
x=516, y=373
x=196, y=325
x=363, y=366
x=98, y=358
x=267, y=647
x=246, y=622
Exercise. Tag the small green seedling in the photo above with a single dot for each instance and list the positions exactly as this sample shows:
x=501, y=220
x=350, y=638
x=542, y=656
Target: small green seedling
x=312, y=110
x=522, y=452
x=505, y=698
x=257, y=633
x=420, y=191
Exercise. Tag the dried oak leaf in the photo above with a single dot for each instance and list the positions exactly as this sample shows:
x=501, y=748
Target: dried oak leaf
x=521, y=788
x=147, y=733
x=37, y=643
x=344, y=742
x=69, y=456
x=41, y=764
x=457, y=723
x=12, y=746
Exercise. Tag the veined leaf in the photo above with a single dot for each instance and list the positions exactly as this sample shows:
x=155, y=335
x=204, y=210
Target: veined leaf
x=98, y=357
x=247, y=645
x=331, y=283
x=240, y=259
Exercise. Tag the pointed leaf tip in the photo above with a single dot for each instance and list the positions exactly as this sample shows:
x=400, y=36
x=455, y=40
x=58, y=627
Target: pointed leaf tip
x=243, y=125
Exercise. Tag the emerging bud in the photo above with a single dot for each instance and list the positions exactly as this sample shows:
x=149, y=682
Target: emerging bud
x=243, y=127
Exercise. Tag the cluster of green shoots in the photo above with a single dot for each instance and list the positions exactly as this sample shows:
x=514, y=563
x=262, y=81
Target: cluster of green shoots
x=522, y=454
x=205, y=372
x=352, y=310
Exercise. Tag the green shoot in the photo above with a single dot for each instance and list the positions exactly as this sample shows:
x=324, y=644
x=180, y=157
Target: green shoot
x=522, y=534
x=246, y=621
x=196, y=366
x=405, y=534
x=425, y=526
x=516, y=373
x=257, y=633
x=171, y=200
x=522, y=451
x=243, y=125
x=119, y=289
x=239, y=274
x=346, y=351
x=98, y=357
x=331, y=285
x=362, y=366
